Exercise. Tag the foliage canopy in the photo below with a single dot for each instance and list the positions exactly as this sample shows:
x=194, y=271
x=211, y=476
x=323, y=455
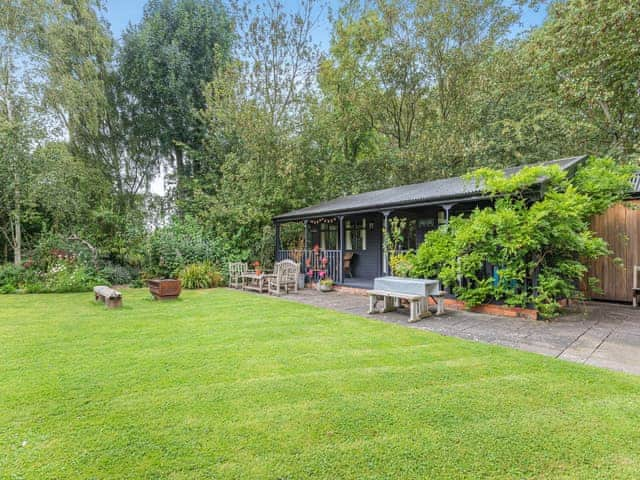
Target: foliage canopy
x=537, y=249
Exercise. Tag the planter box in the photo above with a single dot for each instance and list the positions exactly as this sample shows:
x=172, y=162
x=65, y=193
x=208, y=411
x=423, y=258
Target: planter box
x=491, y=309
x=165, y=289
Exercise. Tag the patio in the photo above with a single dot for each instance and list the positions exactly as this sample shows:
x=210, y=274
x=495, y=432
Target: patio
x=604, y=335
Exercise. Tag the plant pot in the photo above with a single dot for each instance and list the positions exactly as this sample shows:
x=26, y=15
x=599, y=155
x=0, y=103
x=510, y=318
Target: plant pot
x=165, y=288
x=301, y=278
x=325, y=288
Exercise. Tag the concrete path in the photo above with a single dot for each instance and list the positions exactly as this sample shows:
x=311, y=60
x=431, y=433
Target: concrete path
x=601, y=334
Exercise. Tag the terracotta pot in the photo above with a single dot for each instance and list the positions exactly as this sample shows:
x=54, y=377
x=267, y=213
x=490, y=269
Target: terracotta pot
x=165, y=288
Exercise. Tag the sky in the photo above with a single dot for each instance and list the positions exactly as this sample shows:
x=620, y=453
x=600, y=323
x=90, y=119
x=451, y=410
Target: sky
x=119, y=13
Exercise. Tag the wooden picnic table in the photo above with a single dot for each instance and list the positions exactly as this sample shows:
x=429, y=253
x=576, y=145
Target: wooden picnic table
x=255, y=282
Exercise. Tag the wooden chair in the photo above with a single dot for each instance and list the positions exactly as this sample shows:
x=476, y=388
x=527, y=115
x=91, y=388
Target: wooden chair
x=636, y=285
x=284, y=277
x=346, y=262
x=235, y=270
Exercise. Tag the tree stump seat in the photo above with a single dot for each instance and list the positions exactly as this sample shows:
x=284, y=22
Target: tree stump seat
x=110, y=297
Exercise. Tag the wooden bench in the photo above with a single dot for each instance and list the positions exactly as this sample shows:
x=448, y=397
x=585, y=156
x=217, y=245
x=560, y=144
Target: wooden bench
x=418, y=305
x=110, y=297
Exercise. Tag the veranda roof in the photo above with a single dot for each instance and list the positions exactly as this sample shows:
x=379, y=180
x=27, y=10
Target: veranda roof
x=418, y=194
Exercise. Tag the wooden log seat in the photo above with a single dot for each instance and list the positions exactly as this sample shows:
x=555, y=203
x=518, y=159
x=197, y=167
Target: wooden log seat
x=110, y=297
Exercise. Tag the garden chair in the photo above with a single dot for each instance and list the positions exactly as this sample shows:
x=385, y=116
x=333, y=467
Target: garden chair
x=347, y=259
x=285, y=276
x=236, y=269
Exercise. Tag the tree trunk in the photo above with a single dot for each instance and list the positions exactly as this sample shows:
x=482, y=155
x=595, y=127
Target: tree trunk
x=179, y=163
x=17, y=228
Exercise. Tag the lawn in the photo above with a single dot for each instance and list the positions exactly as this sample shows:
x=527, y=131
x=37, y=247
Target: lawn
x=222, y=384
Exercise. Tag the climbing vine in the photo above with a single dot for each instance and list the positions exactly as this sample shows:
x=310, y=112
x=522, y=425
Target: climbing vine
x=532, y=246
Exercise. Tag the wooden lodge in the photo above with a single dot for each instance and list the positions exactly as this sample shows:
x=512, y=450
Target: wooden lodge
x=352, y=227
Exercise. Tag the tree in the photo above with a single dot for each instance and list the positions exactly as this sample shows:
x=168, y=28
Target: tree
x=401, y=79
x=84, y=89
x=16, y=162
x=165, y=62
x=66, y=189
x=18, y=131
x=590, y=50
x=252, y=148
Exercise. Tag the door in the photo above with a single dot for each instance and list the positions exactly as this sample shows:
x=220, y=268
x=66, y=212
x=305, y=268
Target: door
x=363, y=236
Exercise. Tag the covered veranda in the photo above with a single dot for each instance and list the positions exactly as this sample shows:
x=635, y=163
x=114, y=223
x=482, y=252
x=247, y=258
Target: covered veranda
x=348, y=247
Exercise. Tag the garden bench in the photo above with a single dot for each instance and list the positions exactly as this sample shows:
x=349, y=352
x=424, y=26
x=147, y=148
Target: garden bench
x=110, y=297
x=418, y=305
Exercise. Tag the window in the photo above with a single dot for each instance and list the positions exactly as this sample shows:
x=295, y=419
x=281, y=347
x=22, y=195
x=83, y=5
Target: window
x=355, y=234
x=328, y=236
x=410, y=235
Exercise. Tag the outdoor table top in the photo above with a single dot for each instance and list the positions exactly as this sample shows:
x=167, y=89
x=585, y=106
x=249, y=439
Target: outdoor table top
x=255, y=275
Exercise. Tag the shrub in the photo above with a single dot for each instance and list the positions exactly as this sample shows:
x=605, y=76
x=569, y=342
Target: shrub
x=52, y=249
x=137, y=283
x=119, y=274
x=8, y=288
x=14, y=279
x=538, y=247
x=402, y=265
x=171, y=248
x=64, y=277
x=11, y=275
x=199, y=275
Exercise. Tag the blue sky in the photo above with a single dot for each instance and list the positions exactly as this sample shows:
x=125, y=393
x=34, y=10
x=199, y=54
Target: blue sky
x=120, y=12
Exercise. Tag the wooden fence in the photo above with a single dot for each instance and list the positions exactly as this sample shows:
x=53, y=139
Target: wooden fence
x=620, y=227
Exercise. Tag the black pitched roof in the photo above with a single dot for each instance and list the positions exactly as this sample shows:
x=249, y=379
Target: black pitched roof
x=448, y=189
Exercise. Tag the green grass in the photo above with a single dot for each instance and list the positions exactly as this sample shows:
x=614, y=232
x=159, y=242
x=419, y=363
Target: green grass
x=225, y=385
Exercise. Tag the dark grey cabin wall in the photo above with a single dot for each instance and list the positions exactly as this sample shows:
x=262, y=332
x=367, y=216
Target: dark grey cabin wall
x=366, y=263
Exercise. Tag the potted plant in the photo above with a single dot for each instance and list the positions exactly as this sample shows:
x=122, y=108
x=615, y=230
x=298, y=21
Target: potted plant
x=325, y=284
x=164, y=288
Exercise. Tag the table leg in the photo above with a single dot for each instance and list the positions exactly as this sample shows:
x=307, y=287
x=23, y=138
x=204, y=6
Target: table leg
x=414, y=316
x=373, y=300
x=389, y=304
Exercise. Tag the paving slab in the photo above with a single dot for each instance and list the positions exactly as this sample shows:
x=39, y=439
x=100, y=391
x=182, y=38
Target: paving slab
x=600, y=334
